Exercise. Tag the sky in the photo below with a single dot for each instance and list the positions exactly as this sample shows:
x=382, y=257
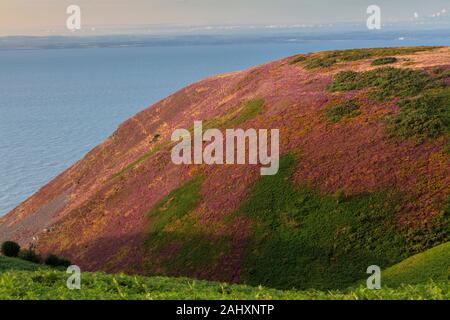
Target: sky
x=33, y=17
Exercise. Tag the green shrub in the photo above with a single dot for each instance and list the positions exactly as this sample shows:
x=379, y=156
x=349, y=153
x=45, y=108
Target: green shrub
x=55, y=261
x=30, y=255
x=425, y=117
x=10, y=249
x=441, y=73
x=342, y=110
x=386, y=83
x=383, y=61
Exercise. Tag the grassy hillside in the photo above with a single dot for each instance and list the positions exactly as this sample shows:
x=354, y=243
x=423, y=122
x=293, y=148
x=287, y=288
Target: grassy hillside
x=49, y=284
x=431, y=264
x=9, y=264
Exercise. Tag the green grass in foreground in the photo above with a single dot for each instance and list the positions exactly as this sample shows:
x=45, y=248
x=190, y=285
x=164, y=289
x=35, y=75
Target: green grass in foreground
x=51, y=284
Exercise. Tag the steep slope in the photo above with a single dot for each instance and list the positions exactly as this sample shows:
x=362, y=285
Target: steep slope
x=364, y=177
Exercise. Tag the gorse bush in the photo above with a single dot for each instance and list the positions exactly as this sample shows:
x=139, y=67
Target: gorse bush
x=342, y=110
x=383, y=61
x=425, y=117
x=10, y=249
x=386, y=83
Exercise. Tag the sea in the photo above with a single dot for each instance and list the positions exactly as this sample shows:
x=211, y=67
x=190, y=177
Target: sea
x=58, y=102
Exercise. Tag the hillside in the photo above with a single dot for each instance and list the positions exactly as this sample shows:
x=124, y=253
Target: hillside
x=432, y=264
x=13, y=264
x=364, y=177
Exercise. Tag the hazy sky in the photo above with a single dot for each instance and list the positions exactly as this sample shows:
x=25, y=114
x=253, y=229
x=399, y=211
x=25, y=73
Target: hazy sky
x=32, y=16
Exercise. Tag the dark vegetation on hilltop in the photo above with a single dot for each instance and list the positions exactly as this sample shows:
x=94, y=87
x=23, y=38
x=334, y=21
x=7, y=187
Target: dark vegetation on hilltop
x=328, y=59
x=386, y=83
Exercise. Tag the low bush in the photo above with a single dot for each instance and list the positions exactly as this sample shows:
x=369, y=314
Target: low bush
x=383, y=61
x=342, y=110
x=386, y=83
x=424, y=117
x=55, y=261
x=30, y=255
x=10, y=249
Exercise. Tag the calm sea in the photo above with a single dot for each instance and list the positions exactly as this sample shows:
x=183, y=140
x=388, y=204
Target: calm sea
x=56, y=105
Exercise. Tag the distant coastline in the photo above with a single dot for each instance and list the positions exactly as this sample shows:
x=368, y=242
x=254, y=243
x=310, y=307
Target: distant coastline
x=219, y=37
